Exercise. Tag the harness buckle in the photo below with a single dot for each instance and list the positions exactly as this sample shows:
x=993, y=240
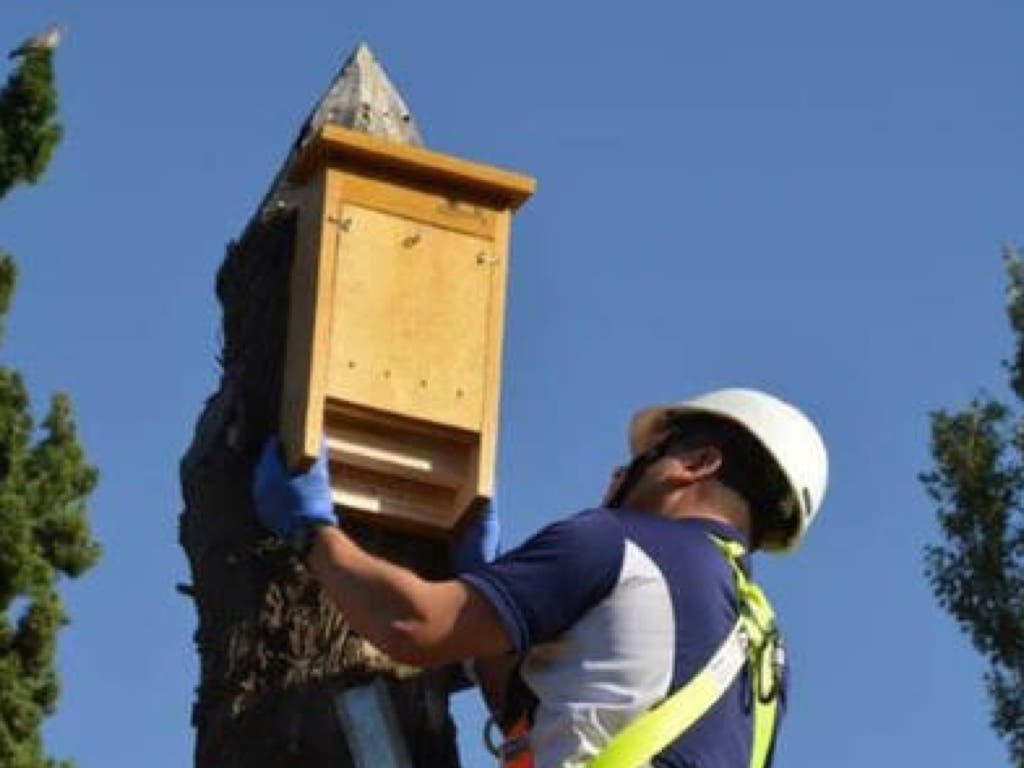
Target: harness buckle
x=745, y=642
x=775, y=667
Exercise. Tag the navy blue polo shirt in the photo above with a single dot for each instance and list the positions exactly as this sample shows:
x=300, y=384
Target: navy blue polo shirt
x=613, y=610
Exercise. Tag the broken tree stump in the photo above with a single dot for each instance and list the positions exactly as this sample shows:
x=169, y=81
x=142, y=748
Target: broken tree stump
x=273, y=651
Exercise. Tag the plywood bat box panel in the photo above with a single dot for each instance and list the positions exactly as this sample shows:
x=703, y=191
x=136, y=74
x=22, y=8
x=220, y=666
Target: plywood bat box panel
x=395, y=326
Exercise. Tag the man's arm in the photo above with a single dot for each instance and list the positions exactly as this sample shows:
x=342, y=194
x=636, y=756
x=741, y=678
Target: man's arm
x=414, y=621
x=494, y=675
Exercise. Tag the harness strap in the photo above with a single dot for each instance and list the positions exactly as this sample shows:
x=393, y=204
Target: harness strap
x=650, y=733
x=767, y=655
x=754, y=641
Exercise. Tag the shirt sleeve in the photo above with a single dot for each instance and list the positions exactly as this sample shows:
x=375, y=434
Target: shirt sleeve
x=542, y=587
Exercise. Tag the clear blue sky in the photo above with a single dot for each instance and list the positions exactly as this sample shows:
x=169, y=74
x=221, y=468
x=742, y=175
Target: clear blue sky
x=803, y=196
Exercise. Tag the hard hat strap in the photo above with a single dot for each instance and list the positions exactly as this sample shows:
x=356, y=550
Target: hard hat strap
x=642, y=462
x=639, y=465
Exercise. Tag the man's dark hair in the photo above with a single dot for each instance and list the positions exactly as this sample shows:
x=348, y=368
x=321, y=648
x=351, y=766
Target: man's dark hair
x=748, y=469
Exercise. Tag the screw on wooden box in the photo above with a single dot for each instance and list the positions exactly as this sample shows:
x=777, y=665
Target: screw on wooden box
x=395, y=325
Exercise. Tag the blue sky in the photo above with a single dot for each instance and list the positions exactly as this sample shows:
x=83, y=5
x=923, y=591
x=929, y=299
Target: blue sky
x=807, y=197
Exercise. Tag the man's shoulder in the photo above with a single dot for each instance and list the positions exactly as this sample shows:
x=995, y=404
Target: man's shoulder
x=631, y=522
x=588, y=534
x=679, y=545
x=545, y=584
x=595, y=518
x=596, y=540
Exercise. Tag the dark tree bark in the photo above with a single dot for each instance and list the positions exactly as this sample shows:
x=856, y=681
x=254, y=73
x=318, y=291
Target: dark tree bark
x=273, y=651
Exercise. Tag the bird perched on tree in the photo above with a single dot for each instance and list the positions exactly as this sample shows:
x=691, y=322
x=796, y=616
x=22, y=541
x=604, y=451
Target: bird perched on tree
x=46, y=40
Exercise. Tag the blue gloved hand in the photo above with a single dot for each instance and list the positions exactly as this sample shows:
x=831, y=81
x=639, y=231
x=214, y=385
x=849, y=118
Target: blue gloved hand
x=479, y=542
x=285, y=503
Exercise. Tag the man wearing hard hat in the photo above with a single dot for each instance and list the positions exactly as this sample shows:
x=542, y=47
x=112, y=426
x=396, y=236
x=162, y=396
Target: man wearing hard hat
x=634, y=631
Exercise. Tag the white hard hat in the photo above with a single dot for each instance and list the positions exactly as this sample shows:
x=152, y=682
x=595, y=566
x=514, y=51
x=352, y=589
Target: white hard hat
x=786, y=434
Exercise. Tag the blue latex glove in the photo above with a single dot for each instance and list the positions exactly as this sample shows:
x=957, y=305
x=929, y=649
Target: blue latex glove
x=479, y=542
x=285, y=503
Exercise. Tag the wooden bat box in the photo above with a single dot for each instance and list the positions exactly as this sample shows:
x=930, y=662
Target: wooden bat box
x=395, y=326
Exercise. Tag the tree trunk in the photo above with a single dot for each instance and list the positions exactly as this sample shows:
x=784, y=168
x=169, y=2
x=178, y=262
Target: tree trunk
x=273, y=651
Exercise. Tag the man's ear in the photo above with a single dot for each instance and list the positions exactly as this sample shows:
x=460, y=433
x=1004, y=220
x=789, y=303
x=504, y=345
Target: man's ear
x=701, y=463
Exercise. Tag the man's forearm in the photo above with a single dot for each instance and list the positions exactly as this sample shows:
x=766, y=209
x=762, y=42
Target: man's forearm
x=412, y=620
x=384, y=602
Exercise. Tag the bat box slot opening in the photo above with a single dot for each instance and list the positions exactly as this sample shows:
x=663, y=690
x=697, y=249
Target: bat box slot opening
x=396, y=469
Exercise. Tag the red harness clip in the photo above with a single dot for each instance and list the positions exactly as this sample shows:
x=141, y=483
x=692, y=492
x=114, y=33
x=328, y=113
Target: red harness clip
x=514, y=751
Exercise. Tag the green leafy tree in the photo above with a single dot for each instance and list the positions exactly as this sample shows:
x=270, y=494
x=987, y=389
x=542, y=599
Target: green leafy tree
x=977, y=484
x=29, y=131
x=44, y=476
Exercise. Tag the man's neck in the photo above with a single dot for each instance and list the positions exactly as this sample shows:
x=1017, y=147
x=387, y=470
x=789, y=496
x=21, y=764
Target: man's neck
x=683, y=509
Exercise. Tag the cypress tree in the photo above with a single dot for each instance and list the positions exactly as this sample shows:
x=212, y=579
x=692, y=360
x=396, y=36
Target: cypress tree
x=44, y=475
x=29, y=131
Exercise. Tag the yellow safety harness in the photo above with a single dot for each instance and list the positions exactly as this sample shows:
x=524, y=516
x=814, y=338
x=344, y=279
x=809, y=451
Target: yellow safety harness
x=753, y=641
